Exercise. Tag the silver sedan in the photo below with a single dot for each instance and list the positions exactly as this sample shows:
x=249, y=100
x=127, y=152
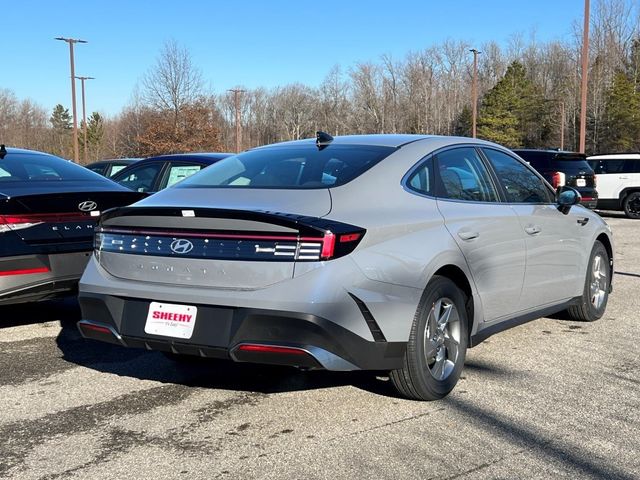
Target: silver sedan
x=380, y=252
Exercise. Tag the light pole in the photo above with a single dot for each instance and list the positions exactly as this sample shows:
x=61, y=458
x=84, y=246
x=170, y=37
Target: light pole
x=561, y=124
x=474, y=92
x=585, y=73
x=71, y=42
x=84, y=116
x=236, y=100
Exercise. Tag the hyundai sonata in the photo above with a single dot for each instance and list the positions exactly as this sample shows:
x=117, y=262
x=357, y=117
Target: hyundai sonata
x=378, y=252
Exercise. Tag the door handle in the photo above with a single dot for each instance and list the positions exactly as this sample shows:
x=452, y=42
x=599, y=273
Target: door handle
x=468, y=235
x=533, y=230
x=623, y=177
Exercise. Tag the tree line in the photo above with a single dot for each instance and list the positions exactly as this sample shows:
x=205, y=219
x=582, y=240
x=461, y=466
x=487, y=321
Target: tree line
x=529, y=96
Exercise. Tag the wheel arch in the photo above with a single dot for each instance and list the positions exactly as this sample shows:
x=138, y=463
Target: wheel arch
x=457, y=276
x=626, y=191
x=604, y=239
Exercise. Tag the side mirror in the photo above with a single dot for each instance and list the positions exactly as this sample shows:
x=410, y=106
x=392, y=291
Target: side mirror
x=566, y=197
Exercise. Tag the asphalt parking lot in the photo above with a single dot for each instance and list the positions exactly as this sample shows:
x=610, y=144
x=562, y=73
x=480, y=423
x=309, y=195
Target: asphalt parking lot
x=549, y=399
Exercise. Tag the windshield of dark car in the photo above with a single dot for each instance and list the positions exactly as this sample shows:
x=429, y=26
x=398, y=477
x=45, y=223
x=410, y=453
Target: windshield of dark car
x=290, y=167
x=34, y=167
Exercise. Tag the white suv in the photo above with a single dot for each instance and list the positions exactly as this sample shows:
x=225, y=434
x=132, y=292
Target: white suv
x=618, y=182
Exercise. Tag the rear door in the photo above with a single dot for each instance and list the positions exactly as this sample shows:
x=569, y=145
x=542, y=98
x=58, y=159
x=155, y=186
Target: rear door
x=611, y=178
x=555, y=252
x=488, y=232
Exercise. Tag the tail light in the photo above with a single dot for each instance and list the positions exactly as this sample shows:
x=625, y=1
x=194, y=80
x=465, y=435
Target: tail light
x=558, y=179
x=23, y=271
x=20, y=222
x=325, y=245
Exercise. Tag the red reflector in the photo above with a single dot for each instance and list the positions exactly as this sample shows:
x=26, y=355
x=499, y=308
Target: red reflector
x=587, y=198
x=271, y=349
x=328, y=245
x=43, y=217
x=24, y=271
x=96, y=328
x=352, y=237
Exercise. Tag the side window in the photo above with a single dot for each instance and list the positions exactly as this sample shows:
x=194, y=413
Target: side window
x=141, y=178
x=610, y=166
x=115, y=169
x=422, y=178
x=520, y=184
x=632, y=166
x=463, y=176
x=180, y=171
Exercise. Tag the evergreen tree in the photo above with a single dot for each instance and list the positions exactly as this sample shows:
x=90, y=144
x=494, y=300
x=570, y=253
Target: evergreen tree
x=463, y=123
x=514, y=112
x=95, y=134
x=622, y=121
x=60, y=119
x=61, y=133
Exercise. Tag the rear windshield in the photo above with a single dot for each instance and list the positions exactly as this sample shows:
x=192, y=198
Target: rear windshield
x=552, y=160
x=33, y=167
x=290, y=167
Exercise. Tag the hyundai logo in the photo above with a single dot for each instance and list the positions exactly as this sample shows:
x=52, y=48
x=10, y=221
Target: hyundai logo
x=181, y=246
x=87, y=206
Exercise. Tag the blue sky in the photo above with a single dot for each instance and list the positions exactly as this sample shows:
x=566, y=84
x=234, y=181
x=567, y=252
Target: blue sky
x=249, y=43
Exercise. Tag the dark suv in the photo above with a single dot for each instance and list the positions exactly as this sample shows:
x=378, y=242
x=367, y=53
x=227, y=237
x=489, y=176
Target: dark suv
x=561, y=168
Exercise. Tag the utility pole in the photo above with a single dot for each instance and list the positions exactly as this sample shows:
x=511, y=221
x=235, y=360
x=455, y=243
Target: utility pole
x=236, y=100
x=474, y=92
x=71, y=42
x=561, y=124
x=84, y=116
x=585, y=73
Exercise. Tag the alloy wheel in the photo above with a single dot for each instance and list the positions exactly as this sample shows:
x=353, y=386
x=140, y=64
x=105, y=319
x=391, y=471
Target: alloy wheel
x=442, y=338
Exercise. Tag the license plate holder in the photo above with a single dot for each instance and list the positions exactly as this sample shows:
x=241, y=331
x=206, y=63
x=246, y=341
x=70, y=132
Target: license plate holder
x=171, y=320
x=581, y=182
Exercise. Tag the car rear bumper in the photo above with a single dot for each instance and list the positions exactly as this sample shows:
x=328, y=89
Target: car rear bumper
x=241, y=334
x=38, y=277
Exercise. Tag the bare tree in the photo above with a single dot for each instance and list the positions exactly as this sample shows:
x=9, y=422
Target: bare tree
x=173, y=82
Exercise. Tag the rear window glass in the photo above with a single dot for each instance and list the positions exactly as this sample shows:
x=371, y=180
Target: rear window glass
x=290, y=167
x=551, y=160
x=20, y=167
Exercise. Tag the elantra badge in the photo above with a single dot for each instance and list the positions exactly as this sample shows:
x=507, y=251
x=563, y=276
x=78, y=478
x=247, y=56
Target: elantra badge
x=87, y=206
x=181, y=246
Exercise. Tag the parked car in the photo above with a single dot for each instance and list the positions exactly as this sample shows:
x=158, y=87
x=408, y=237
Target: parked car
x=375, y=252
x=561, y=168
x=108, y=168
x=49, y=208
x=156, y=173
x=618, y=182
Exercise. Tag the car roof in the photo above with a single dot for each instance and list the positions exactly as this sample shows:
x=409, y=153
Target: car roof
x=202, y=156
x=615, y=156
x=15, y=150
x=382, y=139
x=126, y=161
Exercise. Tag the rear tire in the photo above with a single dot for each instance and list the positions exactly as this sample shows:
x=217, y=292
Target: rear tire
x=595, y=294
x=437, y=344
x=631, y=205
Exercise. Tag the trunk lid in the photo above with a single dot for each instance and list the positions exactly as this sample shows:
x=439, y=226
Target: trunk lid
x=216, y=247
x=58, y=221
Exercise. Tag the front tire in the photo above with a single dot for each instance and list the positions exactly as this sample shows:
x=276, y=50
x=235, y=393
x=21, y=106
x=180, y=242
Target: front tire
x=631, y=205
x=595, y=294
x=437, y=344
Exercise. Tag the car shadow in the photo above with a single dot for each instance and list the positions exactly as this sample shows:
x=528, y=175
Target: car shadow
x=39, y=312
x=206, y=373
x=611, y=214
